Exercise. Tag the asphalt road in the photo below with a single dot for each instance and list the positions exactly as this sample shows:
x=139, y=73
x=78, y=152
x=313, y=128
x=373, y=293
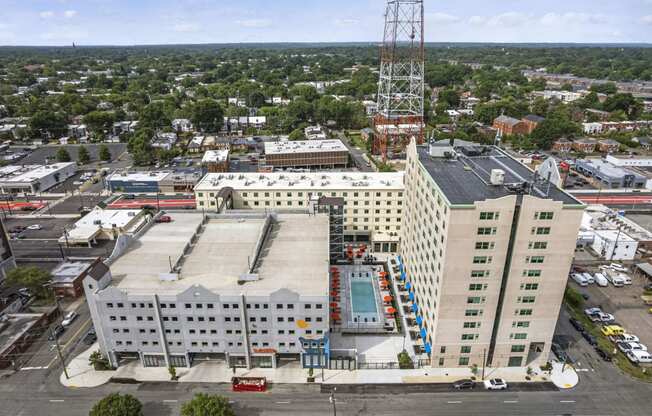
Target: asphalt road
x=356, y=154
x=51, y=249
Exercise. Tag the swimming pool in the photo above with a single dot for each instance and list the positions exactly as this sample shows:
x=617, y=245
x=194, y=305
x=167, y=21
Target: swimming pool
x=363, y=298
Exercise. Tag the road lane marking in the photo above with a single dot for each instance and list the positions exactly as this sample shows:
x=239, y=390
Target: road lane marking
x=282, y=402
x=567, y=401
x=170, y=401
x=56, y=400
x=510, y=401
x=454, y=402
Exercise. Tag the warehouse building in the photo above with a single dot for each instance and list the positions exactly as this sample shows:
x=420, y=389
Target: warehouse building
x=181, y=180
x=373, y=202
x=32, y=179
x=486, y=248
x=307, y=154
x=609, y=175
x=240, y=288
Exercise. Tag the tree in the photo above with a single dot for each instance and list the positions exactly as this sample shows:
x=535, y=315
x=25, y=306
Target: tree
x=98, y=121
x=83, y=157
x=104, y=153
x=450, y=97
x=207, y=405
x=116, y=404
x=47, y=123
x=33, y=278
x=155, y=116
x=98, y=362
x=63, y=155
x=207, y=115
x=404, y=360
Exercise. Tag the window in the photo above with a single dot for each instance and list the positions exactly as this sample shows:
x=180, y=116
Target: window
x=475, y=299
x=489, y=215
x=478, y=286
x=544, y=215
x=466, y=349
x=471, y=325
x=484, y=245
x=480, y=273
x=518, y=348
x=463, y=361
x=526, y=299
x=532, y=273
x=541, y=230
x=469, y=337
x=482, y=259
x=487, y=231
x=519, y=336
x=529, y=286
x=521, y=324
x=109, y=305
x=473, y=312
x=538, y=245
x=534, y=259
x=524, y=312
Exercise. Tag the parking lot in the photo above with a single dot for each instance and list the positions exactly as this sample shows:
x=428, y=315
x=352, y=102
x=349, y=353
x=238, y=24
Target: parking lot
x=49, y=153
x=625, y=304
x=73, y=203
x=50, y=228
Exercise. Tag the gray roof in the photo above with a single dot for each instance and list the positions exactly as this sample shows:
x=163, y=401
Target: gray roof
x=534, y=117
x=465, y=180
x=507, y=120
x=98, y=271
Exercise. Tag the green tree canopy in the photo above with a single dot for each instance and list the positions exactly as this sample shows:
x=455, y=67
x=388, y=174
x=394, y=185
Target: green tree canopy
x=207, y=115
x=98, y=121
x=116, y=404
x=83, y=157
x=207, y=405
x=63, y=155
x=104, y=153
x=32, y=278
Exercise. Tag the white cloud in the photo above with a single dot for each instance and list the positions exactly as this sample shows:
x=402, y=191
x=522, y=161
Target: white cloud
x=509, y=19
x=186, y=27
x=346, y=22
x=46, y=14
x=257, y=23
x=441, y=18
x=647, y=19
x=69, y=14
x=572, y=18
x=477, y=20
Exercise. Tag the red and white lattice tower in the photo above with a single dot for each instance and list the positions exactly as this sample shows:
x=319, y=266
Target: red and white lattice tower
x=399, y=115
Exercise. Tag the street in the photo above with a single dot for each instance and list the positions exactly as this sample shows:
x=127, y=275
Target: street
x=356, y=154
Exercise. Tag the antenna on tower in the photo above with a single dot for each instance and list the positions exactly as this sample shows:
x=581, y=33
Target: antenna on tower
x=399, y=114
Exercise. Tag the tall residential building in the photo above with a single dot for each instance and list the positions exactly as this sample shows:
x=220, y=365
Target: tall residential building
x=487, y=247
x=373, y=202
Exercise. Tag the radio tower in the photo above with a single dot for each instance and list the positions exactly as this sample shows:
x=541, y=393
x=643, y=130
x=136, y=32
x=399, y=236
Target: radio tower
x=399, y=115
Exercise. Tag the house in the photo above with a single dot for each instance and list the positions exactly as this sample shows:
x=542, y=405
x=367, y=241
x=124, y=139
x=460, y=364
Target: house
x=644, y=142
x=585, y=145
x=165, y=141
x=598, y=115
x=68, y=277
x=314, y=133
x=562, y=145
x=370, y=107
x=592, y=128
x=608, y=146
x=216, y=161
x=195, y=145
x=532, y=121
x=509, y=125
x=182, y=125
x=76, y=131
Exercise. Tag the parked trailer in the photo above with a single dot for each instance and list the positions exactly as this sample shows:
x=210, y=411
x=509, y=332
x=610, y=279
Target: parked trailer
x=249, y=384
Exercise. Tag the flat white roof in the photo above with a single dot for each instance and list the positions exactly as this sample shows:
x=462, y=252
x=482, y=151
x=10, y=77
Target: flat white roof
x=304, y=146
x=213, y=156
x=295, y=258
x=30, y=173
x=153, y=176
x=106, y=218
x=312, y=180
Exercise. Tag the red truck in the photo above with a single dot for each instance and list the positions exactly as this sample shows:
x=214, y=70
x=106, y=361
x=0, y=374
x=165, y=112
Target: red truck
x=249, y=384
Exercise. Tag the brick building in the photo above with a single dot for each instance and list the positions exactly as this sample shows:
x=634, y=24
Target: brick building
x=510, y=126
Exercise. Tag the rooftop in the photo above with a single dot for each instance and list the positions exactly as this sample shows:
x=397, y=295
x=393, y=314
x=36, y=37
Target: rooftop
x=304, y=146
x=466, y=179
x=29, y=173
x=312, y=180
x=294, y=255
x=15, y=327
x=67, y=272
x=507, y=120
x=107, y=218
x=214, y=156
x=144, y=176
x=606, y=168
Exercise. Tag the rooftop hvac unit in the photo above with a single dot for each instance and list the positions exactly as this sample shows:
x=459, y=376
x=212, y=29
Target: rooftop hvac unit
x=497, y=177
x=97, y=222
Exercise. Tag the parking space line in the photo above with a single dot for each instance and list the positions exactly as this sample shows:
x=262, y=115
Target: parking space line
x=567, y=401
x=510, y=401
x=454, y=402
x=56, y=400
x=282, y=402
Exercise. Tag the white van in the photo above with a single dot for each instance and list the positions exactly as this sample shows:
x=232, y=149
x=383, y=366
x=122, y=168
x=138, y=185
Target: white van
x=601, y=280
x=579, y=279
x=626, y=279
x=589, y=278
x=638, y=356
x=618, y=267
x=615, y=279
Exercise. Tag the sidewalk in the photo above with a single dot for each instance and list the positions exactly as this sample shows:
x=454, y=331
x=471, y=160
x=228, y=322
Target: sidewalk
x=83, y=375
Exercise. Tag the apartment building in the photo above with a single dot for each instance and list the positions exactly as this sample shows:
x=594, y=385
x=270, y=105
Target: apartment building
x=247, y=289
x=487, y=247
x=373, y=207
x=307, y=153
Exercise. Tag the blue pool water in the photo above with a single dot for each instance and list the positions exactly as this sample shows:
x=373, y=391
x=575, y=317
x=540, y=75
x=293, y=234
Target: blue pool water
x=363, y=298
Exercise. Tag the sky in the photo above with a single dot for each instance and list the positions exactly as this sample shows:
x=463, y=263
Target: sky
x=131, y=22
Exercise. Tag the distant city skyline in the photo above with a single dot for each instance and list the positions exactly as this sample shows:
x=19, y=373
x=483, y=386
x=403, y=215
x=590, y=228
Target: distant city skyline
x=123, y=22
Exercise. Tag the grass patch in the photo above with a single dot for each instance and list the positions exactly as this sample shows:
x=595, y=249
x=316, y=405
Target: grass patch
x=575, y=304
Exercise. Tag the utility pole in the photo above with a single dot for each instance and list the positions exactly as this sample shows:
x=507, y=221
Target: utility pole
x=484, y=361
x=56, y=343
x=332, y=400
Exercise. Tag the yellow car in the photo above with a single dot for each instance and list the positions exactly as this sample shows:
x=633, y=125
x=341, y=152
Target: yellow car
x=609, y=330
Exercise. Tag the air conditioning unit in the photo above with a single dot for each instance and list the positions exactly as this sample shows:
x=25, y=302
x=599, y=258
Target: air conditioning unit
x=497, y=177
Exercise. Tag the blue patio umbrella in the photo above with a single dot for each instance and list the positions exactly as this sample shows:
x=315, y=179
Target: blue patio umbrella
x=428, y=348
x=423, y=333
x=403, y=276
x=419, y=320
x=414, y=307
x=408, y=285
x=411, y=296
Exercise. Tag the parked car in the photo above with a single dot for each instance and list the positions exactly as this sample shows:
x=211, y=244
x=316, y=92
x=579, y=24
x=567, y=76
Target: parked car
x=590, y=338
x=35, y=227
x=465, y=384
x=626, y=278
x=631, y=346
x=601, y=280
x=90, y=337
x=495, y=384
x=638, y=356
x=580, y=279
x=606, y=356
x=17, y=229
x=609, y=330
x=624, y=338
x=56, y=332
x=589, y=277
x=69, y=318
x=576, y=324
x=618, y=267
x=616, y=279
x=164, y=218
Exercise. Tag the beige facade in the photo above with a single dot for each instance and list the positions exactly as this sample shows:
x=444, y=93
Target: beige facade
x=455, y=253
x=373, y=208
